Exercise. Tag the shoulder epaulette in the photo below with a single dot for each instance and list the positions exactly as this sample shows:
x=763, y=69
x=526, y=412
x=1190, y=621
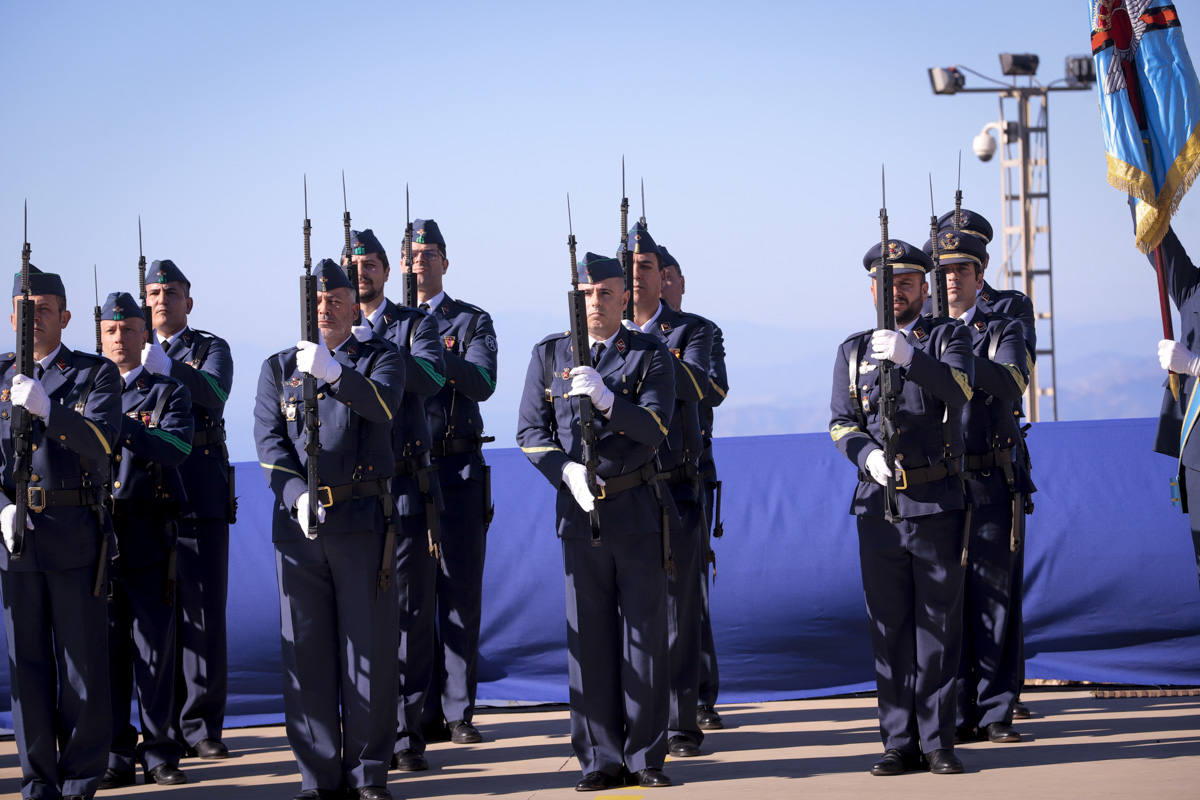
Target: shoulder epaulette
x=87, y=357
x=554, y=337
x=466, y=305
x=860, y=334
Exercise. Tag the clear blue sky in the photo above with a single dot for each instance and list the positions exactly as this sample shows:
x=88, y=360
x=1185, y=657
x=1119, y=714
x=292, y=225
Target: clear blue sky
x=758, y=127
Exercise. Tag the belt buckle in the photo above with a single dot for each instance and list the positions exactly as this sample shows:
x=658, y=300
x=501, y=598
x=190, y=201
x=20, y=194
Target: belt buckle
x=901, y=479
x=39, y=504
x=603, y=491
x=325, y=496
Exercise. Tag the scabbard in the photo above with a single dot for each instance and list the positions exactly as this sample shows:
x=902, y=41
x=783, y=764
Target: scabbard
x=489, y=508
x=433, y=520
x=387, y=559
x=1016, y=539
x=718, y=524
x=966, y=536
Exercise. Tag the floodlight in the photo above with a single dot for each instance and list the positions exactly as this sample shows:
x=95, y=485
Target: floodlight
x=1018, y=63
x=946, y=80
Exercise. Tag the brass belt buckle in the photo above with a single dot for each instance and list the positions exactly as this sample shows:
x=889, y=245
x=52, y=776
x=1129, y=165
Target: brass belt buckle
x=603, y=491
x=39, y=504
x=325, y=496
x=901, y=479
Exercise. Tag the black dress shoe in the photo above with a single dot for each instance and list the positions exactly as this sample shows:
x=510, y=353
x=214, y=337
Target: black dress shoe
x=707, y=719
x=464, y=733
x=435, y=732
x=682, y=747
x=166, y=775
x=322, y=794
x=1020, y=711
x=115, y=779
x=207, y=748
x=944, y=762
x=1002, y=733
x=651, y=778
x=966, y=733
x=892, y=763
x=372, y=793
x=597, y=781
x=409, y=761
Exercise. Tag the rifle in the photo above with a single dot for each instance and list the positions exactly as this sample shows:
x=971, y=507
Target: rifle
x=577, y=308
x=22, y=420
x=623, y=252
x=643, y=217
x=96, y=309
x=885, y=316
x=310, y=333
x=351, y=267
x=146, y=313
x=958, y=197
x=410, y=278
x=941, y=302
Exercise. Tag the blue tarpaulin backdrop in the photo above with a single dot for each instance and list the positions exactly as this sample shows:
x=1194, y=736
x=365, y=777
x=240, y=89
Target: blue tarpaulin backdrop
x=1111, y=584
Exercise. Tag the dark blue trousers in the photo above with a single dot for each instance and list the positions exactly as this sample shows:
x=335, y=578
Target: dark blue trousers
x=987, y=676
x=339, y=659
x=459, y=603
x=710, y=674
x=201, y=663
x=913, y=583
x=617, y=652
x=684, y=606
x=416, y=606
x=58, y=667
x=141, y=655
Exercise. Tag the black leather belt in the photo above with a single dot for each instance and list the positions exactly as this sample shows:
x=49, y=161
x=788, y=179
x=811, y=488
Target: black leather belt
x=983, y=461
x=919, y=475
x=454, y=447
x=409, y=466
x=630, y=480
x=328, y=495
x=40, y=499
x=684, y=474
x=210, y=436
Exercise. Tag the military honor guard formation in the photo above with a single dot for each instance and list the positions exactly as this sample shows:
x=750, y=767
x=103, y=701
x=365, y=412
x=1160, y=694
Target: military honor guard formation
x=118, y=496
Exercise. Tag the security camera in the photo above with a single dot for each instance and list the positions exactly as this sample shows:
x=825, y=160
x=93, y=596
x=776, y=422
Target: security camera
x=984, y=145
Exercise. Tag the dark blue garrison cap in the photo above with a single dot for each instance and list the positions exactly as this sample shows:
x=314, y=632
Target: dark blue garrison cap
x=668, y=260
x=40, y=283
x=426, y=231
x=640, y=241
x=904, y=257
x=330, y=276
x=972, y=223
x=119, y=306
x=958, y=248
x=594, y=268
x=363, y=242
x=165, y=271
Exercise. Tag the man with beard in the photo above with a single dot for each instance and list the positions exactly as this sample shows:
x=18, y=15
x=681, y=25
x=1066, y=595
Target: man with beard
x=689, y=339
x=911, y=563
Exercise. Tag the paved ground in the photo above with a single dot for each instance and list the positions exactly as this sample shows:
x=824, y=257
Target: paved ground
x=1077, y=746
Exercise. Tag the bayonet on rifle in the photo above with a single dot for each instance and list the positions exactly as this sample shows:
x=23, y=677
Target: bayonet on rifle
x=310, y=333
x=582, y=357
x=886, y=321
x=941, y=302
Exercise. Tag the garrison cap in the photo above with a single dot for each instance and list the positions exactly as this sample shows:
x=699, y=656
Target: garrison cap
x=596, y=268
x=165, y=271
x=330, y=276
x=640, y=241
x=904, y=257
x=667, y=260
x=40, y=283
x=957, y=247
x=972, y=223
x=426, y=231
x=119, y=306
x=363, y=242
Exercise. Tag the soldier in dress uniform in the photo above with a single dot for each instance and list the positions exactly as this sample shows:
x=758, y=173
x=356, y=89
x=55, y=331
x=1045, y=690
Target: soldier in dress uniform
x=201, y=361
x=616, y=589
x=155, y=437
x=55, y=604
x=911, y=567
x=411, y=332
x=689, y=339
x=457, y=426
x=673, y=288
x=337, y=583
x=997, y=487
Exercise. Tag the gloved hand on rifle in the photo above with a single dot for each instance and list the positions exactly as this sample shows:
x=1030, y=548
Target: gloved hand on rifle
x=891, y=346
x=575, y=477
x=302, y=504
x=877, y=466
x=586, y=381
x=154, y=359
x=1174, y=357
x=316, y=360
x=28, y=393
x=8, y=516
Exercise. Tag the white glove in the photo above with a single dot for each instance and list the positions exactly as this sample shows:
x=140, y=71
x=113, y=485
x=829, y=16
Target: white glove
x=631, y=325
x=28, y=393
x=364, y=333
x=877, y=466
x=575, y=477
x=316, y=360
x=586, y=381
x=302, y=515
x=891, y=346
x=155, y=359
x=7, y=516
x=1174, y=357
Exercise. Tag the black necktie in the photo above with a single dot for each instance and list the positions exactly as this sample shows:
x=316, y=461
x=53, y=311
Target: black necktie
x=424, y=306
x=38, y=371
x=597, y=351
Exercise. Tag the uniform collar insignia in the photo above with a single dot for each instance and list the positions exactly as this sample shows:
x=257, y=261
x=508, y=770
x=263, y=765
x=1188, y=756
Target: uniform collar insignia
x=665, y=326
x=979, y=324
x=620, y=344
x=919, y=332
x=141, y=384
x=61, y=363
x=985, y=296
x=352, y=349
x=387, y=319
x=449, y=339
